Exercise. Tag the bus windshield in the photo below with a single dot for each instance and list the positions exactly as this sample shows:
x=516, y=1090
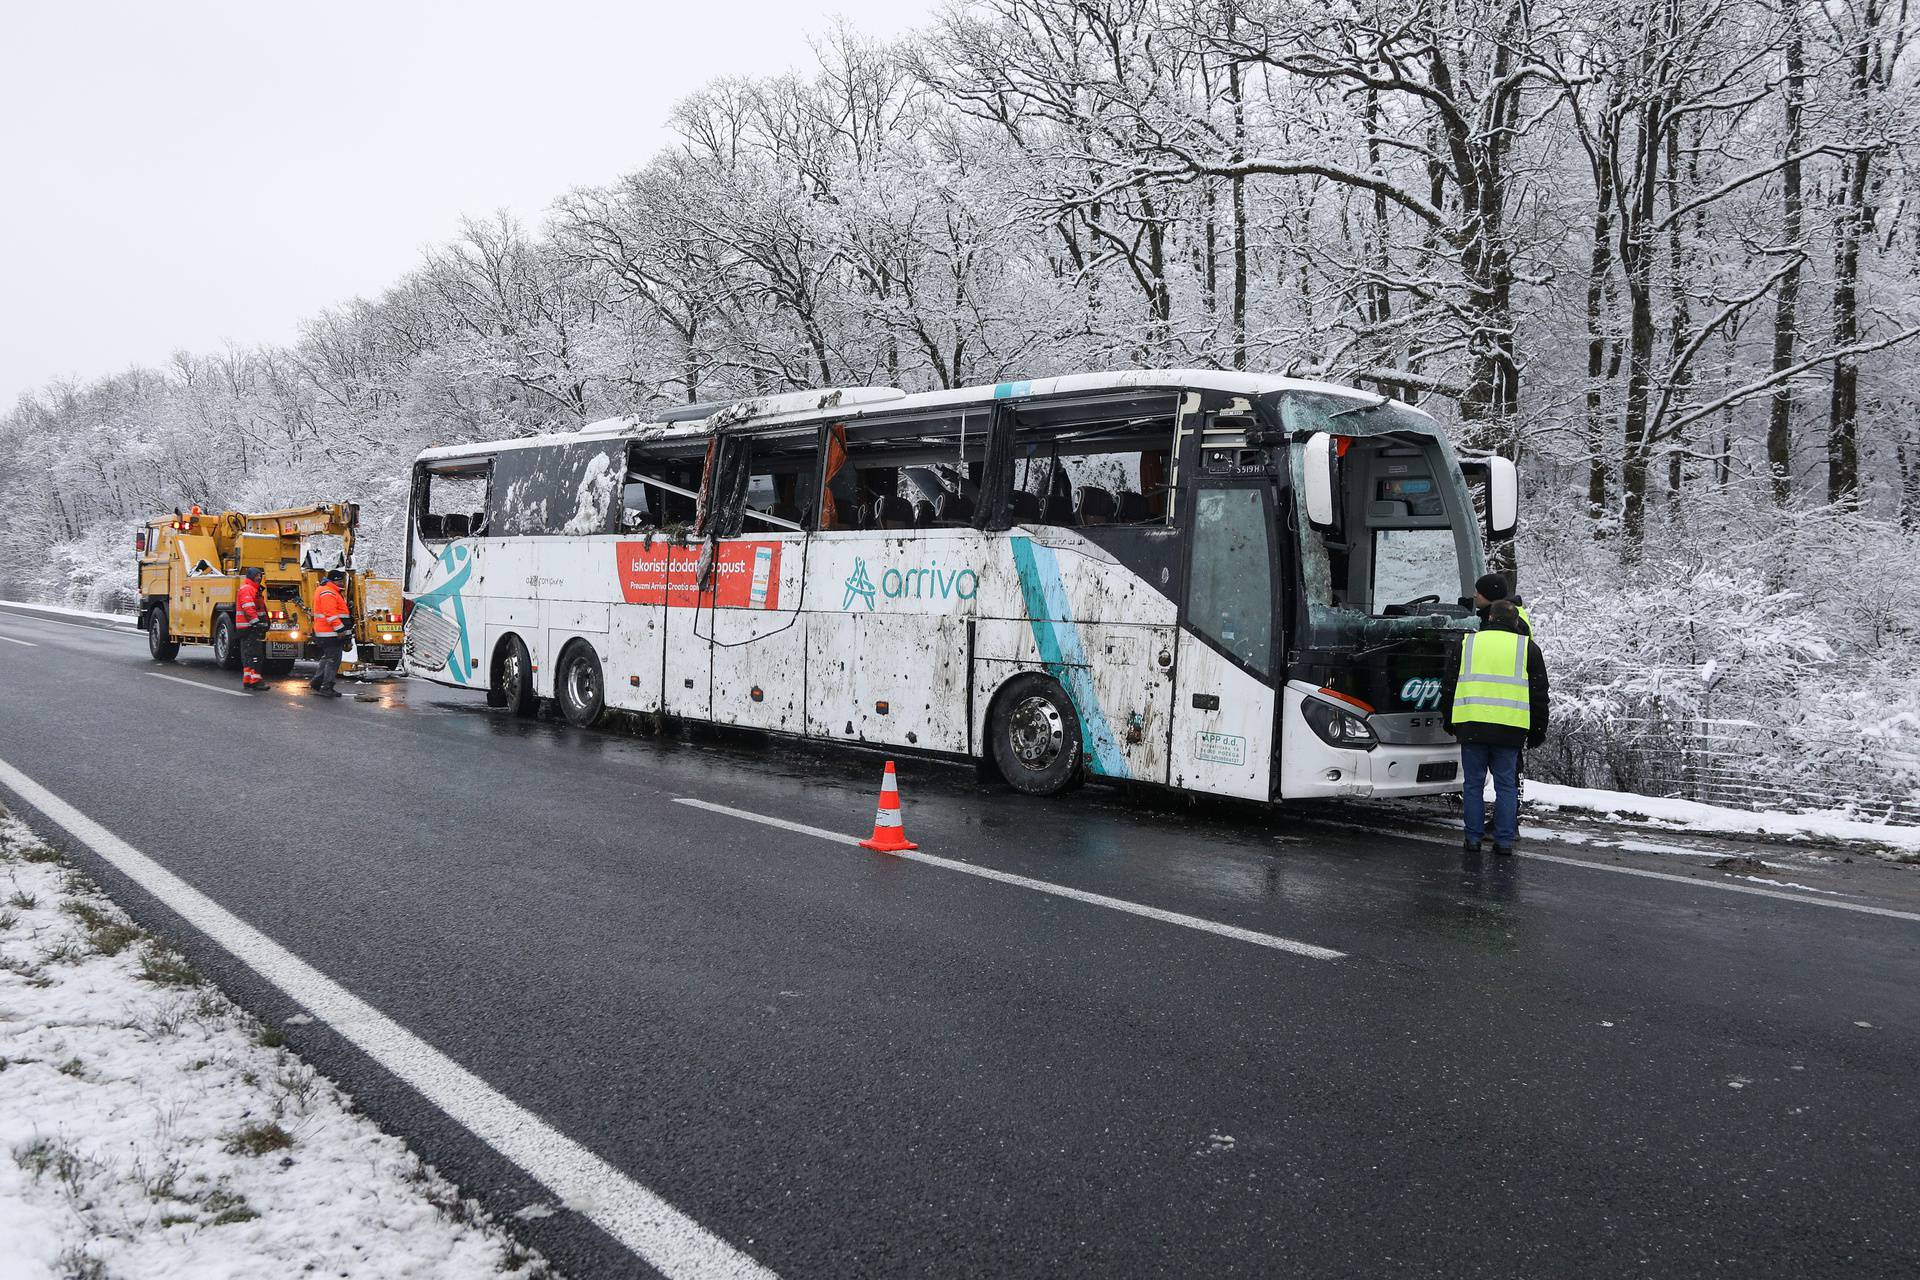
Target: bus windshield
x=1403, y=547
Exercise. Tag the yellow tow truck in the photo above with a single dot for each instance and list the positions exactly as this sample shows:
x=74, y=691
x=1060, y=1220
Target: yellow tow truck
x=190, y=565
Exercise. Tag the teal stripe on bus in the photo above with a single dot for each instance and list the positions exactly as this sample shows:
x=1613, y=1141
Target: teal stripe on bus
x=1058, y=639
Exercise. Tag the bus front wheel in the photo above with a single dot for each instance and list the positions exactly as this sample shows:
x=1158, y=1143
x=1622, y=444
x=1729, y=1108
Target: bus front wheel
x=1035, y=734
x=580, y=688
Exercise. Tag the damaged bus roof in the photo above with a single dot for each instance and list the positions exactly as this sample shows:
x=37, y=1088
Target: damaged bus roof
x=848, y=403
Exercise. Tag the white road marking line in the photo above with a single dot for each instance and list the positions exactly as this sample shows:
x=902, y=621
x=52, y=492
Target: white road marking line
x=1784, y=896
x=1041, y=886
x=665, y=1238
x=199, y=684
x=28, y=643
x=1695, y=881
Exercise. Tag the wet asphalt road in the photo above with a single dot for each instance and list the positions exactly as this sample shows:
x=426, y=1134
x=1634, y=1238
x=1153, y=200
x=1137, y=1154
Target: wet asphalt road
x=847, y=1065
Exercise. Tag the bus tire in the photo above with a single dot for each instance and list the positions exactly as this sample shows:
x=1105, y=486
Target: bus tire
x=226, y=643
x=513, y=678
x=579, y=686
x=160, y=642
x=1034, y=733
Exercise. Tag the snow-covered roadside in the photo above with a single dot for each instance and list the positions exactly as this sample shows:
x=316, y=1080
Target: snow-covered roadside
x=1692, y=815
x=150, y=1127
x=61, y=611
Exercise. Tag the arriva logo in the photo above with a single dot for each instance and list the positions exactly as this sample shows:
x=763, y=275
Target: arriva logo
x=858, y=585
x=930, y=583
x=1422, y=691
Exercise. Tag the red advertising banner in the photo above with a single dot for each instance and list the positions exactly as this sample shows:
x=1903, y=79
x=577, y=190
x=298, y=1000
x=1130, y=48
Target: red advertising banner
x=745, y=575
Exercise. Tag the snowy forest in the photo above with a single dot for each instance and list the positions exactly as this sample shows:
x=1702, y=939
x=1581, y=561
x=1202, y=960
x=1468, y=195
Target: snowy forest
x=1665, y=254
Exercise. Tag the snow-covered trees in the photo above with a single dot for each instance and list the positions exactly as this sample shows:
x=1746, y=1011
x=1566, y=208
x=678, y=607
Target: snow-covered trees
x=1664, y=252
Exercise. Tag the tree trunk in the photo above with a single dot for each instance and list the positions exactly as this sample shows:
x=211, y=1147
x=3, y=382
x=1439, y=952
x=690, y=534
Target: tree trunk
x=1636, y=250
x=1599, y=267
x=1843, y=443
x=1786, y=330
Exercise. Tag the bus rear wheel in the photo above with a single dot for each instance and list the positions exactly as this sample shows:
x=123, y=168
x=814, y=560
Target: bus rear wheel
x=513, y=678
x=1035, y=737
x=580, y=687
x=160, y=642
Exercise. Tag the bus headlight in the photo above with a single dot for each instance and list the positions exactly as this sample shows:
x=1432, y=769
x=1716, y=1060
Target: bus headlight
x=1336, y=728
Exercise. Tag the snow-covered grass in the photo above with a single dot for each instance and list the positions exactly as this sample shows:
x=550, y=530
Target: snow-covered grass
x=150, y=1127
x=1692, y=815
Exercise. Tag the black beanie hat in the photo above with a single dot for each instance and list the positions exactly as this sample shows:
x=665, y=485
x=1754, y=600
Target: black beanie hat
x=1492, y=585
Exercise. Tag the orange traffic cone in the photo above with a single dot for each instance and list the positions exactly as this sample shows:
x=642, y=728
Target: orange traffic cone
x=888, y=836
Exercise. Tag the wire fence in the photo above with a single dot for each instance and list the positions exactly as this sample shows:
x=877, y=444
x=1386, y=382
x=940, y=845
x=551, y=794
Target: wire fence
x=1740, y=763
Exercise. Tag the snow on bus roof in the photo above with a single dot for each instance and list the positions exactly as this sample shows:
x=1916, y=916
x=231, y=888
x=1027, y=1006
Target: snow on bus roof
x=801, y=406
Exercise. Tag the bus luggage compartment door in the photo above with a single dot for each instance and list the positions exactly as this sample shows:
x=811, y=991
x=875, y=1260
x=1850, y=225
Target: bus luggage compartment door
x=760, y=636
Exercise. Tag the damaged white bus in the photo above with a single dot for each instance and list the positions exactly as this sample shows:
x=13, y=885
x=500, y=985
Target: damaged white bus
x=1213, y=581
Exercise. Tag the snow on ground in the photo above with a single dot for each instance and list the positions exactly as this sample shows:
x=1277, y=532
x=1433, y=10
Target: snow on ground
x=1692, y=815
x=61, y=611
x=151, y=1128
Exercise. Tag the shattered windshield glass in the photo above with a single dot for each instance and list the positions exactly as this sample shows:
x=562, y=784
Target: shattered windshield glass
x=1403, y=547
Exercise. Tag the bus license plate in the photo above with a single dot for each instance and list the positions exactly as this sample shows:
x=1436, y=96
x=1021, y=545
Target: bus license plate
x=1442, y=771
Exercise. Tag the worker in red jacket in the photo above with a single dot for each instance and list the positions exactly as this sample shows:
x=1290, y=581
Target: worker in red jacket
x=331, y=627
x=250, y=619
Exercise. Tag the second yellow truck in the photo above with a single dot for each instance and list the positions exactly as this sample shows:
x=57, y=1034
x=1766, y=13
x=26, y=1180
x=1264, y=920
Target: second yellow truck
x=190, y=566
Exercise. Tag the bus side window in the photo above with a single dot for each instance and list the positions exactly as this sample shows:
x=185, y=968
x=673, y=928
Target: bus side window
x=449, y=500
x=661, y=490
x=780, y=484
x=1093, y=464
x=909, y=473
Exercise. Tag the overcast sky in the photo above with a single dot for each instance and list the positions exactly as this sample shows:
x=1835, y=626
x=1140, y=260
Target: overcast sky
x=185, y=172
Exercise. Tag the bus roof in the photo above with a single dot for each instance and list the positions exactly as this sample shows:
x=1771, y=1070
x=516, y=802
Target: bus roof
x=847, y=403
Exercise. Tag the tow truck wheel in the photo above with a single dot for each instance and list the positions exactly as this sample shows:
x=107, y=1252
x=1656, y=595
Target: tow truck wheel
x=160, y=642
x=226, y=643
x=513, y=677
x=580, y=688
x=1035, y=734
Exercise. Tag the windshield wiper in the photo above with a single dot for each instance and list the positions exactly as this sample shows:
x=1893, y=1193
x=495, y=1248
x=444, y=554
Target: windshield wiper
x=1361, y=408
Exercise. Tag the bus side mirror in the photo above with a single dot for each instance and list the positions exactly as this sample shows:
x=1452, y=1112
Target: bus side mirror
x=1319, y=480
x=1503, y=497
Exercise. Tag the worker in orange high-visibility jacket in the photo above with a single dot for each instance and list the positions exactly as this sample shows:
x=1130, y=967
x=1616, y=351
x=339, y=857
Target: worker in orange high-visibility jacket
x=250, y=620
x=331, y=627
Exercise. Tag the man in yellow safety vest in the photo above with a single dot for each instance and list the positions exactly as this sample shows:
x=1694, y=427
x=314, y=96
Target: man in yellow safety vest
x=1496, y=701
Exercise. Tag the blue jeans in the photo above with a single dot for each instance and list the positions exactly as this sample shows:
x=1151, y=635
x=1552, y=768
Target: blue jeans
x=1476, y=759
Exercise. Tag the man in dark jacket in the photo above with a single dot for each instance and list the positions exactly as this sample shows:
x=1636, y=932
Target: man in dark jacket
x=1496, y=701
x=1491, y=587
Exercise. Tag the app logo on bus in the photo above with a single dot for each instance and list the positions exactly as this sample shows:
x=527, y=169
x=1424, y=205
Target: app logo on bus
x=1422, y=691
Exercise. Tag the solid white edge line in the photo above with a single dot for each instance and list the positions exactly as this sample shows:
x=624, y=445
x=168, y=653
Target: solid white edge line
x=198, y=684
x=664, y=1237
x=122, y=628
x=1645, y=874
x=1273, y=941
x=1757, y=892
x=10, y=640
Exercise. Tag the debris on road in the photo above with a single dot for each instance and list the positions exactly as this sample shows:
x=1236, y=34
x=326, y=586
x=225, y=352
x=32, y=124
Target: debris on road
x=149, y=1126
